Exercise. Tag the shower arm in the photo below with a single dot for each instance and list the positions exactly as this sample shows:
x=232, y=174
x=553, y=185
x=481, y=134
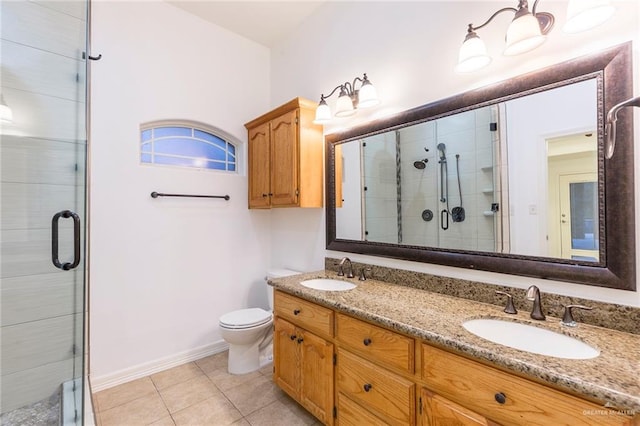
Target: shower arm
x=610, y=130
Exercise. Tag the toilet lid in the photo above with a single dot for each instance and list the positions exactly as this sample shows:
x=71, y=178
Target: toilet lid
x=245, y=318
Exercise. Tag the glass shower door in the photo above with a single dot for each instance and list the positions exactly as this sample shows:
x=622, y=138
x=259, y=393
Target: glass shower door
x=43, y=217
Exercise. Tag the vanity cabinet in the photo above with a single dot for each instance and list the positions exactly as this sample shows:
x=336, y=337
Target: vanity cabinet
x=383, y=377
x=285, y=157
x=503, y=397
x=303, y=361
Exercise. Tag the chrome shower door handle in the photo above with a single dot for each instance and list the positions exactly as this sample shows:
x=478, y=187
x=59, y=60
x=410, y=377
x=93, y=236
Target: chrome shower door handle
x=76, y=240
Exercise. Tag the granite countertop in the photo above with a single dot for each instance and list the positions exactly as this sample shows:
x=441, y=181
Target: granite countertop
x=612, y=378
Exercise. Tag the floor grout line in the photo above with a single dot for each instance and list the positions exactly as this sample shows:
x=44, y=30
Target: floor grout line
x=219, y=370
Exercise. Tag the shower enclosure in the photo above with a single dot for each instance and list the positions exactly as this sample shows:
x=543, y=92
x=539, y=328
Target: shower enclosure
x=43, y=150
x=414, y=180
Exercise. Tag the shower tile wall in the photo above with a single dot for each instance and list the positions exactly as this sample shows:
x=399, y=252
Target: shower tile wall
x=467, y=135
x=42, y=171
x=379, y=175
x=419, y=193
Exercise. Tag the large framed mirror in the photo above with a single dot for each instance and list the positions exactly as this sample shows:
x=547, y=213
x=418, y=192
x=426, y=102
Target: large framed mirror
x=508, y=178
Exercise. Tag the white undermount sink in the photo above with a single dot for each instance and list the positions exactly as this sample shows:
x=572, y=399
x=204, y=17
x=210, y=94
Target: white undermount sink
x=530, y=339
x=327, y=284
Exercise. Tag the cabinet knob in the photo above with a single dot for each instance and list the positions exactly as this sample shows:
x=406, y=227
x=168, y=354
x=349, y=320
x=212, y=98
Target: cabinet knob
x=300, y=340
x=500, y=398
x=296, y=311
x=366, y=341
x=367, y=387
x=293, y=337
x=264, y=195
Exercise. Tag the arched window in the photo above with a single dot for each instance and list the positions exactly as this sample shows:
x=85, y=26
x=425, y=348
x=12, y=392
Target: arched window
x=187, y=144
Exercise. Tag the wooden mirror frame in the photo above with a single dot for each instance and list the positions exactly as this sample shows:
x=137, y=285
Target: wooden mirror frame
x=616, y=267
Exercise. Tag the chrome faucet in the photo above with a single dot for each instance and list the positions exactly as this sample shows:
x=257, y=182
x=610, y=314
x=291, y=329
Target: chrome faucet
x=533, y=293
x=341, y=270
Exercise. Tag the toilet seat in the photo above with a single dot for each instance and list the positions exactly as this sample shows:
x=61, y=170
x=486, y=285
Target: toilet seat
x=245, y=318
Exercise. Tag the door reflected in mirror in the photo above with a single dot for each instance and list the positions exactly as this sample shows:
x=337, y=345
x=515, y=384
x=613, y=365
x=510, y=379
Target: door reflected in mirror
x=517, y=177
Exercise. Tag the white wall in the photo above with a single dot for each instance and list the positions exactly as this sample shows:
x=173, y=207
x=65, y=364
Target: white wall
x=408, y=50
x=561, y=111
x=163, y=271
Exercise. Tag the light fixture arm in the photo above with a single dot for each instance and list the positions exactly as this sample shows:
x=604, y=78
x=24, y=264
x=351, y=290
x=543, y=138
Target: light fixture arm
x=504, y=9
x=535, y=5
x=323, y=97
x=610, y=130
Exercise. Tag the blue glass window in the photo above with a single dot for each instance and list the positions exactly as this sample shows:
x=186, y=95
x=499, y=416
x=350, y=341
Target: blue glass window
x=187, y=144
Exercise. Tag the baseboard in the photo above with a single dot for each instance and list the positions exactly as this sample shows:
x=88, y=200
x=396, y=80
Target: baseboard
x=99, y=383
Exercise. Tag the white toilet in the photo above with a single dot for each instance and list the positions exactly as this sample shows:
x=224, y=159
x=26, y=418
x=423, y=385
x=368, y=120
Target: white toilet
x=249, y=332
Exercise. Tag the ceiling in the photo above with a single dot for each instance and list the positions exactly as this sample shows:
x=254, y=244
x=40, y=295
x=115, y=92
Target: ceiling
x=265, y=22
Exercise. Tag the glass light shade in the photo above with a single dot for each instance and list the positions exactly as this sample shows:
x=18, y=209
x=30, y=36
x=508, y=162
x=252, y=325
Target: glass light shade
x=367, y=96
x=472, y=56
x=323, y=113
x=523, y=35
x=6, y=115
x=344, y=106
x=583, y=15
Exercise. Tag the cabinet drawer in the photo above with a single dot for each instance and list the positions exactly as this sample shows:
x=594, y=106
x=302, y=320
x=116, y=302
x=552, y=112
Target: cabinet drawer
x=351, y=414
x=440, y=411
x=304, y=314
x=382, y=392
x=376, y=343
x=478, y=387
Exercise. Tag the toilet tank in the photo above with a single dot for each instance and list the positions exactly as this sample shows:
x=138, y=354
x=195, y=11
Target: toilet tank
x=276, y=273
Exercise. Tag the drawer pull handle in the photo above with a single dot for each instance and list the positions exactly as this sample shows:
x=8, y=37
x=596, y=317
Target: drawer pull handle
x=500, y=398
x=367, y=342
x=367, y=387
x=293, y=337
x=300, y=340
x=296, y=311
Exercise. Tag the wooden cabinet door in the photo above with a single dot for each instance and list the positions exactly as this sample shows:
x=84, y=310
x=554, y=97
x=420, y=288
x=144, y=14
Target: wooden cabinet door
x=259, y=166
x=439, y=411
x=284, y=159
x=286, y=357
x=316, y=386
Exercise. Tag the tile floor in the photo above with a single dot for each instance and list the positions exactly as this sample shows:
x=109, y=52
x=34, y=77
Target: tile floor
x=200, y=393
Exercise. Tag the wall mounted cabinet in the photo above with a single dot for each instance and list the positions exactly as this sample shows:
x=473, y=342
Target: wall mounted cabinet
x=285, y=157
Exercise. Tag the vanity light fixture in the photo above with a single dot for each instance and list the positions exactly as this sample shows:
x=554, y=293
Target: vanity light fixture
x=349, y=99
x=6, y=115
x=583, y=15
x=529, y=29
